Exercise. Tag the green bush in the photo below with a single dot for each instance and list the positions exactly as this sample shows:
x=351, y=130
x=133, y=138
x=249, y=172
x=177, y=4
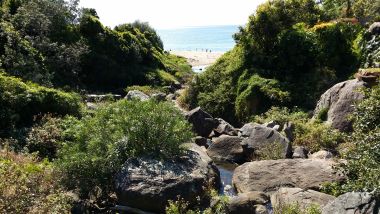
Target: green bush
x=295, y=209
x=100, y=144
x=28, y=186
x=146, y=89
x=45, y=137
x=20, y=102
x=363, y=162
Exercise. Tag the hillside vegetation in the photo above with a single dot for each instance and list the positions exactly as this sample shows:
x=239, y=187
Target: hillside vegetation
x=288, y=54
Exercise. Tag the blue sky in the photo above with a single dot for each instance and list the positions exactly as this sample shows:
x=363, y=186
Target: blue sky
x=162, y=14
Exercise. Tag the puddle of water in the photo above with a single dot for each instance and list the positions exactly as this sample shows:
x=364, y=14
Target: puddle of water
x=226, y=172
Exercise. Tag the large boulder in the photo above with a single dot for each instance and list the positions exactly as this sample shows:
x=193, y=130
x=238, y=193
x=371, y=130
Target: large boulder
x=337, y=103
x=147, y=183
x=203, y=123
x=352, y=203
x=263, y=137
x=227, y=148
x=247, y=129
x=269, y=175
x=304, y=198
x=250, y=202
x=136, y=95
x=225, y=128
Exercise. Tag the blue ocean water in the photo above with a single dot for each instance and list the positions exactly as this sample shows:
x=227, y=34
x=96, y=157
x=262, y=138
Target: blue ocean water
x=214, y=38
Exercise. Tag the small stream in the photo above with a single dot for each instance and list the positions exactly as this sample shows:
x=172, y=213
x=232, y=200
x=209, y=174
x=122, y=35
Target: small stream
x=226, y=170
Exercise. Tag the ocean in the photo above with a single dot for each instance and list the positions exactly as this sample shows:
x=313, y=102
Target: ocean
x=214, y=38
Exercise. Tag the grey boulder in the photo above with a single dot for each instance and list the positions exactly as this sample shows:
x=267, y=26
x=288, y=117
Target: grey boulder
x=250, y=202
x=227, y=148
x=136, y=95
x=338, y=102
x=203, y=123
x=304, y=198
x=352, y=203
x=263, y=137
x=270, y=175
x=147, y=183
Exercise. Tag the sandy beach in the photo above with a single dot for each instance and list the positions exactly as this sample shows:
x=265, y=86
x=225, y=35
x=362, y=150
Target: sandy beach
x=199, y=58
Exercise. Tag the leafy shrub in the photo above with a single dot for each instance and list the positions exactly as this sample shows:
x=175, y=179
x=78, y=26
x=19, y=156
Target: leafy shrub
x=256, y=95
x=182, y=207
x=45, y=137
x=28, y=186
x=273, y=151
x=295, y=209
x=100, y=144
x=20, y=102
x=363, y=163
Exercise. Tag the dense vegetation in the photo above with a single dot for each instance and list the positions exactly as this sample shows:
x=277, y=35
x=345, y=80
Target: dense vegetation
x=54, y=152
x=54, y=43
x=288, y=54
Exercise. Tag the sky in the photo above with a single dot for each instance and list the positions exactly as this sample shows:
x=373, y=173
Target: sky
x=165, y=14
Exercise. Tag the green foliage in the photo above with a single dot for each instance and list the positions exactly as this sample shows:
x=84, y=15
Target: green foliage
x=363, y=163
x=295, y=209
x=257, y=94
x=282, y=58
x=366, y=11
x=28, y=186
x=311, y=134
x=273, y=151
x=21, y=102
x=45, y=136
x=99, y=145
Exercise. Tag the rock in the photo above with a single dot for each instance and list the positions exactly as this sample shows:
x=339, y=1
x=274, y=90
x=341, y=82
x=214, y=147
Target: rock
x=203, y=123
x=95, y=98
x=271, y=124
x=227, y=148
x=262, y=137
x=170, y=97
x=289, y=131
x=374, y=29
x=304, y=198
x=322, y=155
x=276, y=127
x=250, y=202
x=269, y=175
x=247, y=129
x=91, y=106
x=338, y=103
x=147, y=184
x=300, y=152
x=225, y=128
x=159, y=97
x=201, y=141
x=136, y=94
x=352, y=203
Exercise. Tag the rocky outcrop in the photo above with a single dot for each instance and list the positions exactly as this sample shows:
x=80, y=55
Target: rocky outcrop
x=148, y=184
x=300, y=152
x=225, y=128
x=352, y=203
x=203, y=123
x=136, y=95
x=201, y=141
x=160, y=97
x=322, y=155
x=270, y=175
x=264, y=137
x=337, y=103
x=227, y=148
x=304, y=198
x=247, y=129
x=250, y=202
